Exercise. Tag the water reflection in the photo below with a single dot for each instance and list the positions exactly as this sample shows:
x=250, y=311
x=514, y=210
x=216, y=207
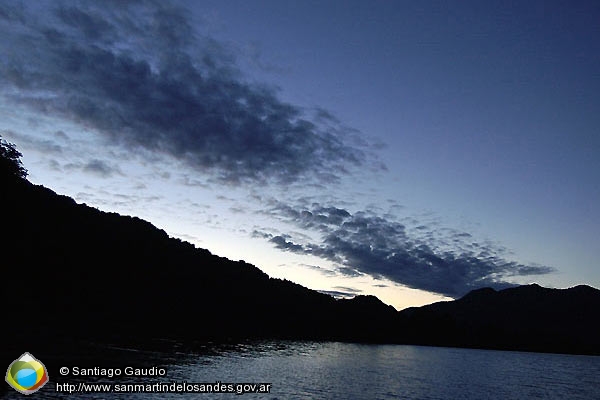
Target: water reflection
x=300, y=370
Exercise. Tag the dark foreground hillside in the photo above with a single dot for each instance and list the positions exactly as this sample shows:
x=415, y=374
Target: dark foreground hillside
x=71, y=272
x=76, y=271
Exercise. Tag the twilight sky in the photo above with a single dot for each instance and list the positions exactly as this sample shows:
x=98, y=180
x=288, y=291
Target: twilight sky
x=410, y=150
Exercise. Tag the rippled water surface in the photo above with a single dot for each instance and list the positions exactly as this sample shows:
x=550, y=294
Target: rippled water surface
x=301, y=370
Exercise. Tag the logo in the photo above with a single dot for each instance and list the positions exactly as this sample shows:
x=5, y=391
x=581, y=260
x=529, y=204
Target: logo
x=27, y=374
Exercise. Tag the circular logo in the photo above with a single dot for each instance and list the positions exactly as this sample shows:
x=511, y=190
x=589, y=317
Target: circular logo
x=27, y=374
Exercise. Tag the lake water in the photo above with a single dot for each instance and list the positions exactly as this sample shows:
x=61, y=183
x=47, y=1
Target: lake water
x=309, y=370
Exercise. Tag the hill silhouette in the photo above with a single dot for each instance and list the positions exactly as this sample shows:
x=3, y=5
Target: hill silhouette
x=75, y=272
x=80, y=272
x=528, y=318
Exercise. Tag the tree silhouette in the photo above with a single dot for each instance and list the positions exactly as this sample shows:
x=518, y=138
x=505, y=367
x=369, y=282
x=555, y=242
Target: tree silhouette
x=10, y=160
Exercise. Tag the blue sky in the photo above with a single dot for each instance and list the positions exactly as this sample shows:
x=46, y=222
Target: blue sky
x=413, y=151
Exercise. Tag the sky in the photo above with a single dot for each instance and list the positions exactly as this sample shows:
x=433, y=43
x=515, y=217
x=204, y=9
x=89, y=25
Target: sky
x=409, y=150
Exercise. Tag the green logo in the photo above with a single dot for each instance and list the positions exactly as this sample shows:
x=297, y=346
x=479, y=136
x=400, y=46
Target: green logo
x=27, y=374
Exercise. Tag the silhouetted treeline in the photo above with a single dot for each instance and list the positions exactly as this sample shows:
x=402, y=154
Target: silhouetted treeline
x=528, y=318
x=83, y=272
x=72, y=271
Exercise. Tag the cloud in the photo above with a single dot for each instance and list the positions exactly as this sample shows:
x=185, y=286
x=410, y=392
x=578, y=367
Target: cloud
x=321, y=270
x=338, y=294
x=54, y=165
x=34, y=143
x=61, y=135
x=138, y=74
x=281, y=243
x=348, y=289
x=439, y=260
x=103, y=198
x=100, y=168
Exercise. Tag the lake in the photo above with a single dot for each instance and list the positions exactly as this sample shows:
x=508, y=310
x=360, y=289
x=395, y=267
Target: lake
x=304, y=370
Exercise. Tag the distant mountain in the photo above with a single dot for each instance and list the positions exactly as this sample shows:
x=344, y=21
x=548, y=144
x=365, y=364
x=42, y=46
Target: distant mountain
x=71, y=272
x=529, y=318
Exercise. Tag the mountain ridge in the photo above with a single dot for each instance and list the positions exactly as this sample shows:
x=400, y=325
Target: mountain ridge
x=101, y=275
x=527, y=318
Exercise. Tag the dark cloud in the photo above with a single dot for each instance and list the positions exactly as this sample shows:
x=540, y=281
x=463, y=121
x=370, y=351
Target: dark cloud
x=12, y=12
x=192, y=181
x=347, y=271
x=94, y=166
x=238, y=210
x=34, y=143
x=54, y=165
x=138, y=74
x=100, y=168
x=348, y=289
x=338, y=294
x=443, y=261
x=281, y=243
x=61, y=135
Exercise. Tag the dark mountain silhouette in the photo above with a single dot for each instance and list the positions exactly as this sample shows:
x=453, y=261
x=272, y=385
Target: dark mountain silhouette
x=530, y=318
x=72, y=272
x=79, y=272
